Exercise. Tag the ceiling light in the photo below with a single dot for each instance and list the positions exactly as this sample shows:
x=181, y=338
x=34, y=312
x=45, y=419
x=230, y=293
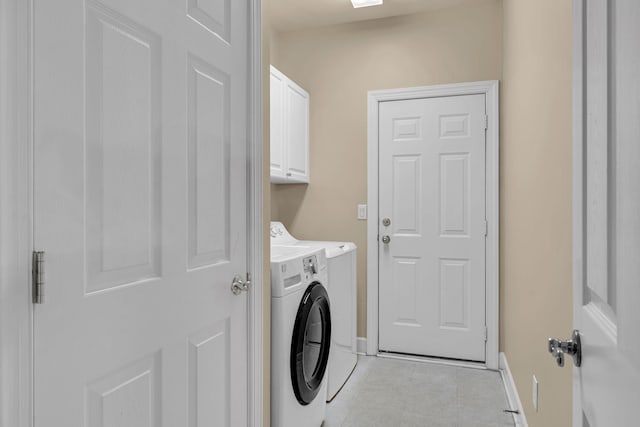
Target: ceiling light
x=365, y=3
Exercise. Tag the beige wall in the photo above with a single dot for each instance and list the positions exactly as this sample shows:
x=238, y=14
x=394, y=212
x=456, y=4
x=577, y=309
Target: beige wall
x=338, y=65
x=526, y=44
x=535, y=194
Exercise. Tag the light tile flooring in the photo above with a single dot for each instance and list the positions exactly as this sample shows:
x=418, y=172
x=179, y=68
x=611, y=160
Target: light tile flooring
x=399, y=393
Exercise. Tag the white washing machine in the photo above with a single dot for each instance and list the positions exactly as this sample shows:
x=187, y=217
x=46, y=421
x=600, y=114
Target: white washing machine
x=342, y=289
x=300, y=336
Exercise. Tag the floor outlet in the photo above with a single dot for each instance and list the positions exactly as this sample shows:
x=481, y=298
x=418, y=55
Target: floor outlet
x=535, y=393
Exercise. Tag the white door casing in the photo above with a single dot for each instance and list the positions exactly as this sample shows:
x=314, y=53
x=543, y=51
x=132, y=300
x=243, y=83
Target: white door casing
x=15, y=216
x=432, y=189
x=489, y=90
x=606, y=225
x=140, y=130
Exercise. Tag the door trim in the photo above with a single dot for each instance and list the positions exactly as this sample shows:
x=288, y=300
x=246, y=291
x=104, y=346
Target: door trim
x=491, y=92
x=16, y=242
x=16, y=215
x=255, y=357
x=579, y=181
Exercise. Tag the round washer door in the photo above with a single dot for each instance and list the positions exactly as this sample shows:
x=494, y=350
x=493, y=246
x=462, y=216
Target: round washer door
x=310, y=343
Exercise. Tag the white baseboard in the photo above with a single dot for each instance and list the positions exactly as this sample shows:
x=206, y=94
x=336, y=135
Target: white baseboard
x=361, y=345
x=512, y=392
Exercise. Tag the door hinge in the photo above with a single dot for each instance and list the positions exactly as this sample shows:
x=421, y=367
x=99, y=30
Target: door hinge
x=485, y=334
x=38, y=280
x=486, y=122
x=486, y=228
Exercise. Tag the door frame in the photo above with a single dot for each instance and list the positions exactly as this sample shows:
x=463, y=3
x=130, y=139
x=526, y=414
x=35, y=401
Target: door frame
x=16, y=215
x=579, y=181
x=490, y=89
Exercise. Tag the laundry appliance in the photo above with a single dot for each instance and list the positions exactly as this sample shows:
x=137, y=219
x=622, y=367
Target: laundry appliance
x=300, y=336
x=341, y=286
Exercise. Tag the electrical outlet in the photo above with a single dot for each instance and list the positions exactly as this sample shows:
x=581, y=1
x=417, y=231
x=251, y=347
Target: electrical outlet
x=362, y=211
x=535, y=393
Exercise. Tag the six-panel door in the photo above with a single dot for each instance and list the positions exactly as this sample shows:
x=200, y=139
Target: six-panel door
x=432, y=189
x=607, y=230
x=140, y=121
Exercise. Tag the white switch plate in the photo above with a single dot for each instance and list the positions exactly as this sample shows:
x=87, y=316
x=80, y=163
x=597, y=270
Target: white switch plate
x=362, y=211
x=535, y=393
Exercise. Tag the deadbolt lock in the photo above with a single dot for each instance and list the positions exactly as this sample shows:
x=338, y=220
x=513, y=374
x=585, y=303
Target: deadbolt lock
x=386, y=222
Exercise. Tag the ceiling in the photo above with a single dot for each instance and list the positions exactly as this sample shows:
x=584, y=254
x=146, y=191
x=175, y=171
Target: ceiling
x=291, y=15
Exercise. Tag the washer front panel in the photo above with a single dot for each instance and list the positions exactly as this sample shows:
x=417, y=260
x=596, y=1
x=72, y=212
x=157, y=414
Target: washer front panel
x=310, y=343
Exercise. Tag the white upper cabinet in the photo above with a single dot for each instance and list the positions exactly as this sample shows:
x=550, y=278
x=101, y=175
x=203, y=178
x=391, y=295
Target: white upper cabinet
x=289, y=130
x=278, y=82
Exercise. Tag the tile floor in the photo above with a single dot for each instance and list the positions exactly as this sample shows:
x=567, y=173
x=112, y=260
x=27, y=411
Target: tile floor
x=399, y=393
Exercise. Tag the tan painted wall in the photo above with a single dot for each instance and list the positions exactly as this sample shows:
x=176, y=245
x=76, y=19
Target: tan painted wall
x=535, y=198
x=338, y=65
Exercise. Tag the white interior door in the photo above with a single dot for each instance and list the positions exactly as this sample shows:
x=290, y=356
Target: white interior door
x=607, y=212
x=432, y=191
x=140, y=204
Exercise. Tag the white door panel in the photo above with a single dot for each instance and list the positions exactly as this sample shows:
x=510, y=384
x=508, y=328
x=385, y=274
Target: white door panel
x=432, y=188
x=607, y=247
x=140, y=123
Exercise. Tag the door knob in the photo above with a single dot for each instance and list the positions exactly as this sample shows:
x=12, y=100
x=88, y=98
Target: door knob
x=238, y=285
x=386, y=239
x=571, y=347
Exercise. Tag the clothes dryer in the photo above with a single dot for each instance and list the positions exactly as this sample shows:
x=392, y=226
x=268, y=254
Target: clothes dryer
x=342, y=289
x=300, y=337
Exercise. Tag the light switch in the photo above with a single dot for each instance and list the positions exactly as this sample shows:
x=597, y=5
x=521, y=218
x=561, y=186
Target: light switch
x=362, y=211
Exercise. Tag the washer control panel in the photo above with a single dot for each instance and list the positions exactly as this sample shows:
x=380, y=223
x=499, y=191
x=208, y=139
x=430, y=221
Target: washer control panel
x=310, y=264
x=276, y=230
x=280, y=235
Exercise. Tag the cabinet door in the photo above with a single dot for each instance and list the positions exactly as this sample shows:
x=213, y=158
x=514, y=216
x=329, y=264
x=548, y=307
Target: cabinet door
x=277, y=136
x=296, y=127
